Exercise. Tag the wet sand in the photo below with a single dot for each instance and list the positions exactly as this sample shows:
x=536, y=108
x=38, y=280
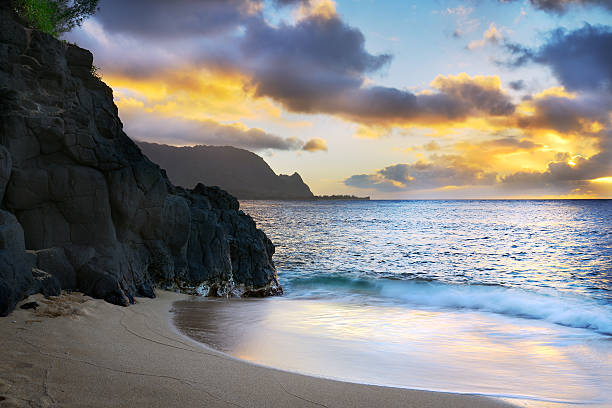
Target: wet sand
x=532, y=362
x=75, y=351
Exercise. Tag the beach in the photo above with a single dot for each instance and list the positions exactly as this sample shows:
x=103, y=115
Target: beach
x=76, y=351
x=297, y=203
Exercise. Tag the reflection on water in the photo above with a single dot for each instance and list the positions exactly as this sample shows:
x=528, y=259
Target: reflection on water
x=459, y=351
x=551, y=245
x=495, y=297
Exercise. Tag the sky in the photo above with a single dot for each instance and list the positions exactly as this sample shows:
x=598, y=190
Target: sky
x=391, y=99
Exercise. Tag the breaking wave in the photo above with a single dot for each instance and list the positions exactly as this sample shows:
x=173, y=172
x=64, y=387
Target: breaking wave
x=566, y=311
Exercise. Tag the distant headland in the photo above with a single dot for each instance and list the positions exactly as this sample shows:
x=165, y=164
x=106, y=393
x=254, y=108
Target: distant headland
x=240, y=172
x=341, y=197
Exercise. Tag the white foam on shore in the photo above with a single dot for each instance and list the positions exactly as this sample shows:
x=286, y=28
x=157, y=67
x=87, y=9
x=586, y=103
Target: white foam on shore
x=454, y=350
x=564, y=310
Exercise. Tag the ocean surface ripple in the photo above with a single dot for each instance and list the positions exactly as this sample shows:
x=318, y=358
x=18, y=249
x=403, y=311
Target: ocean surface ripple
x=503, y=298
x=549, y=259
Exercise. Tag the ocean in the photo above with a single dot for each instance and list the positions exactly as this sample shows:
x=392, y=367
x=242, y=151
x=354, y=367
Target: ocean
x=509, y=298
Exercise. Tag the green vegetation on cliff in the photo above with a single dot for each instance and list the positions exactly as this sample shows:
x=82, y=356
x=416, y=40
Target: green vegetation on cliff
x=55, y=16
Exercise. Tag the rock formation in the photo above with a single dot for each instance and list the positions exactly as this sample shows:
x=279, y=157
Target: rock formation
x=242, y=173
x=83, y=208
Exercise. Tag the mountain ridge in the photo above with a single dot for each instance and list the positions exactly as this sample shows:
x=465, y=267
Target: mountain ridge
x=242, y=173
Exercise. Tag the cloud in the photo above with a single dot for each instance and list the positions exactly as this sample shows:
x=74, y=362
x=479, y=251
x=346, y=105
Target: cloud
x=440, y=171
x=316, y=64
x=492, y=35
x=508, y=164
x=299, y=65
x=521, y=15
x=290, y=2
x=431, y=146
x=561, y=6
x=238, y=37
x=460, y=10
x=465, y=23
x=509, y=144
x=580, y=114
x=455, y=98
x=505, y=153
x=483, y=93
x=315, y=144
x=204, y=66
x=517, y=85
x=567, y=172
x=321, y=8
x=580, y=59
x=149, y=127
x=160, y=19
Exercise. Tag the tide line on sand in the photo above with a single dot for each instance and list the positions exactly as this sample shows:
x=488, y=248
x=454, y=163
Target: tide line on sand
x=75, y=351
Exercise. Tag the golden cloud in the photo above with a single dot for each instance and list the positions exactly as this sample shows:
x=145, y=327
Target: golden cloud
x=325, y=9
x=193, y=94
x=491, y=35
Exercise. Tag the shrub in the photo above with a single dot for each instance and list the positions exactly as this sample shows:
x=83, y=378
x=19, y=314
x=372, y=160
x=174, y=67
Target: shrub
x=95, y=72
x=55, y=16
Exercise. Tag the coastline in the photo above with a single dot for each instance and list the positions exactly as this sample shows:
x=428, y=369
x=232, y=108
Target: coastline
x=99, y=355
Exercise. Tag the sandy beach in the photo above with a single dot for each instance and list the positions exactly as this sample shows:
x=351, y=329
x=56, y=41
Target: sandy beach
x=75, y=351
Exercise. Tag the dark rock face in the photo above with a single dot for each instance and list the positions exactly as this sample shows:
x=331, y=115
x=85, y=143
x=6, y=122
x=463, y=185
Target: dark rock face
x=15, y=264
x=242, y=173
x=91, y=210
x=55, y=262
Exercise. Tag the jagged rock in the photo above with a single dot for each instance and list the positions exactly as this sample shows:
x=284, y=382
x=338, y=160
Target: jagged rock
x=55, y=262
x=97, y=215
x=44, y=283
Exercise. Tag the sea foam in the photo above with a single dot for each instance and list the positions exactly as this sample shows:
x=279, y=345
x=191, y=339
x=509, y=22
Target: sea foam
x=570, y=311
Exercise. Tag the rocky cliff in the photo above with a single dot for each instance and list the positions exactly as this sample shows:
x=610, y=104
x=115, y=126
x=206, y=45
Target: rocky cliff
x=242, y=173
x=82, y=207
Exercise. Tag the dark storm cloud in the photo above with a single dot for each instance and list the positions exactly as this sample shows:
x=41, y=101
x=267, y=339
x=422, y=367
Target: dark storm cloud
x=163, y=18
x=441, y=171
x=318, y=64
x=568, y=115
x=561, y=6
x=299, y=65
x=315, y=42
x=384, y=104
x=484, y=98
x=580, y=59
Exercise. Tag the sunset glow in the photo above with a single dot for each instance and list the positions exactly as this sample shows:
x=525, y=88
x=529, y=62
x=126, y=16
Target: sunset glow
x=470, y=106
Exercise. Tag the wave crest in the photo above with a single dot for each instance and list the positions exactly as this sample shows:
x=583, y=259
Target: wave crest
x=566, y=311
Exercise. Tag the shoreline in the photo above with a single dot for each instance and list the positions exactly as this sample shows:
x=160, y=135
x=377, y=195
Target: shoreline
x=108, y=355
x=233, y=328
